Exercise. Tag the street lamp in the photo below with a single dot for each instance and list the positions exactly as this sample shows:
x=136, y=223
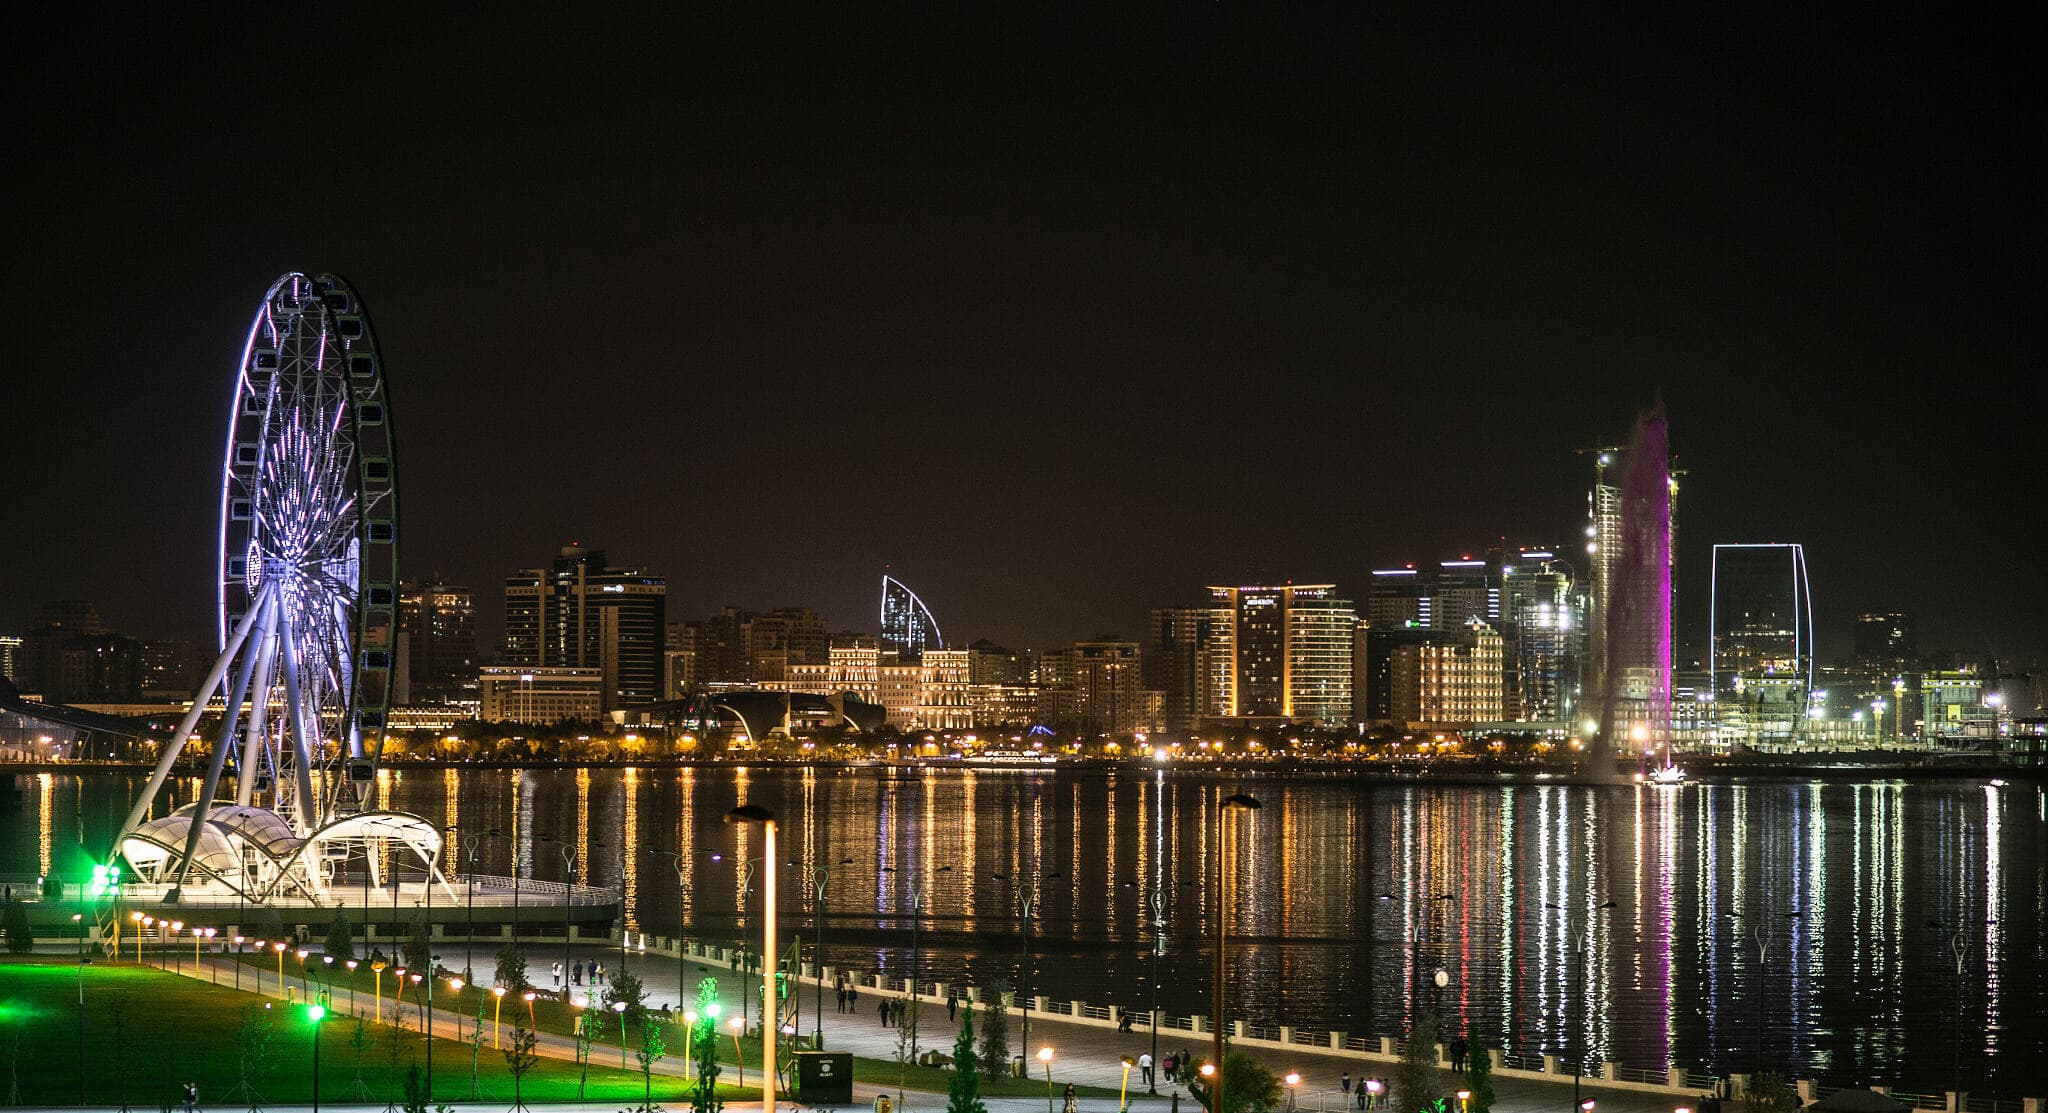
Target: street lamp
x=755, y=814
x=1581, y=936
x=1293, y=1081
x=497, y=1008
x=351, y=964
x=1123, y=1090
x=455, y=985
x=1225, y=861
x=916, y=952
x=567, y=850
x=377, y=973
x=619, y=1007
x=1045, y=1056
x=1955, y=944
x=818, y=954
x=280, y=967
x=1464, y=1096
x=1026, y=892
x=1762, y=940
x=317, y=1013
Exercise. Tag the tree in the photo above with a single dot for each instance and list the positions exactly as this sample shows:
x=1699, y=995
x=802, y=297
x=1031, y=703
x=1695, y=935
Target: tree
x=419, y=947
x=994, y=1056
x=1769, y=1093
x=271, y=926
x=415, y=1090
x=361, y=1041
x=341, y=939
x=520, y=1058
x=252, y=1047
x=1248, y=1087
x=589, y=1028
x=963, y=1085
x=906, y=1040
x=20, y=938
x=651, y=1051
x=511, y=971
x=1417, y=1082
x=1478, y=1073
x=704, y=1049
x=626, y=987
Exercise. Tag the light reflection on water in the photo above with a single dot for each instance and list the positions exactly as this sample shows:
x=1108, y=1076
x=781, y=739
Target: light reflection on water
x=1351, y=897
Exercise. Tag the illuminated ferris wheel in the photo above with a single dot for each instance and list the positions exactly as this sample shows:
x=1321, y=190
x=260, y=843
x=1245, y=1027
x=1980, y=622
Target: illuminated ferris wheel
x=307, y=567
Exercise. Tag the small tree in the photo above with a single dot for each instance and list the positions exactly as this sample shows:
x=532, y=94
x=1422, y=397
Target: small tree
x=906, y=1040
x=704, y=1049
x=994, y=1056
x=963, y=1085
x=628, y=988
x=415, y=1090
x=419, y=947
x=476, y=1047
x=511, y=971
x=589, y=1027
x=520, y=1058
x=20, y=937
x=1248, y=1086
x=1417, y=1082
x=1478, y=1074
x=341, y=939
x=651, y=1051
x=361, y=1041
x=1769, y=1093
x=252, y=1053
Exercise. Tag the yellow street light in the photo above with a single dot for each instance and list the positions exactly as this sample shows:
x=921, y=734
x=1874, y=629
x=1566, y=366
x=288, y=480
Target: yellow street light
x=377, y=997
x=497, y=1004
x=1045, y=1056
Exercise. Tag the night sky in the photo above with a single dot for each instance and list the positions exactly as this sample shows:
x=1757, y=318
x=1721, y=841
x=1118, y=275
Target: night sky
x=1059, y=322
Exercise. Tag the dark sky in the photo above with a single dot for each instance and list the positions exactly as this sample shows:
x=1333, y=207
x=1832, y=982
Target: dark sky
x=1059, y=321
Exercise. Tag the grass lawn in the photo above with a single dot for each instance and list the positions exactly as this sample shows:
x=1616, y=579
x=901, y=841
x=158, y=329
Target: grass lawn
x=146, y=1033
x=551, y=1015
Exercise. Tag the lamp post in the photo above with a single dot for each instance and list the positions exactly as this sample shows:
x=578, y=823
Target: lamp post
x=619, y=1007
x=916, y=953
x=1157, y=900
x=1580, y=940
x=530, y=1021
x=1045, y=1056
x=497, y=1008
x=1955, y=944
x=1293, y=1081
x=567, y=850
x=299, y=954
x=397, y=994
x=1225, y=867
x=83, y=962
x=317, y=1013
x=755, y=814
x=377, y=999
x=279, y=948
x=455, y=984
x=351, y=964
x=818, y=956
x=1123, y=1089
x=1026, y=893
x=1762, y=941
x=178, y=960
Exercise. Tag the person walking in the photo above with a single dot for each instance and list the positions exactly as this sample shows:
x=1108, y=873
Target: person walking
x=1458, y=1047
x=882, y=1010
x=1145, y=1068
x=577, y=972
x=191, y=1096
x=1169, y=1065
x=1345, y=1083
x=852, y=996
x=952, y=1004
x=555, y=969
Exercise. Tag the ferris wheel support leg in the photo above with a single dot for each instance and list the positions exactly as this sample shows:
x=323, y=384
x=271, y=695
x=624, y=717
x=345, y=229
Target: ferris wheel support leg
x=231, y=717
x=259, y=714
x=301, y=729
x=176, y=745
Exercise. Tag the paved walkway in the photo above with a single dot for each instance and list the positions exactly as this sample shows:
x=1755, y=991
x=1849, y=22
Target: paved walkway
x=1083, y=1054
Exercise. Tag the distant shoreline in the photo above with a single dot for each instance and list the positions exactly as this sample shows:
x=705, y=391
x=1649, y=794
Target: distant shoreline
x=1712, y=769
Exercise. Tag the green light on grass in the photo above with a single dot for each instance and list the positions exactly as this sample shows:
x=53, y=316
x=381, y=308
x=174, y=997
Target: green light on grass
x=314, y=1013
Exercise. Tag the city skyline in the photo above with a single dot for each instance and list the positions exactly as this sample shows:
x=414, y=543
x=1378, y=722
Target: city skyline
x=1119, y=315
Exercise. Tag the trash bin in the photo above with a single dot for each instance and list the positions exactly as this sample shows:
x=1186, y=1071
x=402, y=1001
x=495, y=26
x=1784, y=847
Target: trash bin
x=826, y=1078
x=1017, y=1066
x=883, y=1104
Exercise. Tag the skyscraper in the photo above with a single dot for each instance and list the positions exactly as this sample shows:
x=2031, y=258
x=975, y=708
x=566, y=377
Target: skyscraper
x=1180, y=662
x=907, y=624
x=1631, y=531
x=1762, y=628
x=1543, y=627
x=1284, y=652
x=581, y=614
x=439, y=621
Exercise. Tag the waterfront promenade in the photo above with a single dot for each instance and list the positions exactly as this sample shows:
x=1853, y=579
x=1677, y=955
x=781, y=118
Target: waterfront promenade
x=1084, y=1054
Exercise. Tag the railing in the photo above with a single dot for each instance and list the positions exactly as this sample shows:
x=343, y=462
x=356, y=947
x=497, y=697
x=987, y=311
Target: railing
x=1059, y=1008
x=1308, y=1038
x=1991, y=1105
x=1256, y=1032
x=1361, y=1043
x=1097, y=1012
x=1511, y=1061
x=1701, y=1081
x=1921, y=1101
x=1182, y=1023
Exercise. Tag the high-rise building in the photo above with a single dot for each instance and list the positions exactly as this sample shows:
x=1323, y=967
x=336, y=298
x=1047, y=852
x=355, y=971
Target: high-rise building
x=71, y=657
x=540, y=696
x=580, y=613
x=1284, y=652
x=1180, y=661
x=1887, y=639
x=172, y=668
x=1418, y=675
x=1106, y=677
x=1543, y=634
x=10, y=653
x=908, y=627
x=1761, y=621
x=439, y=621
x=1631, y=547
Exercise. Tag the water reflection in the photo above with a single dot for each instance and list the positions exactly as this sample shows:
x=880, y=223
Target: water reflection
x=1351, y=897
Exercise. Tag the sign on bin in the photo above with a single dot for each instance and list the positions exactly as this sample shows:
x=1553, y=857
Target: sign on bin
x=824, y=1077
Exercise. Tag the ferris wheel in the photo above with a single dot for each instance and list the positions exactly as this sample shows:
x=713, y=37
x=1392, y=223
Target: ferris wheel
x=307, y=568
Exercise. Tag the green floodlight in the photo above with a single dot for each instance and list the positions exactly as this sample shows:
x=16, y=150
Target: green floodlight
x=316, y=1013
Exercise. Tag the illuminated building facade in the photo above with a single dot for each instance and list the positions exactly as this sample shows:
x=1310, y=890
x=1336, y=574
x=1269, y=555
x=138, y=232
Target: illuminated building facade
x=439, y=622
x=1631, y=546
x=908, y=627
x=580, y=613
x=1106, y=679
x=932, y=694
x=1285, y=653
x=1423, y=677
x=1543, y=637
x=1762, y=660
x=541, y=695
x=1185, y=660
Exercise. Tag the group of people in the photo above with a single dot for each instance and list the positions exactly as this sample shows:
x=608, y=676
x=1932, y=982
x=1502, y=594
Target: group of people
x=1371, y=1093
x=1172, y=1065
x=848, y=997
x=891, y=1012
x=595, y=970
